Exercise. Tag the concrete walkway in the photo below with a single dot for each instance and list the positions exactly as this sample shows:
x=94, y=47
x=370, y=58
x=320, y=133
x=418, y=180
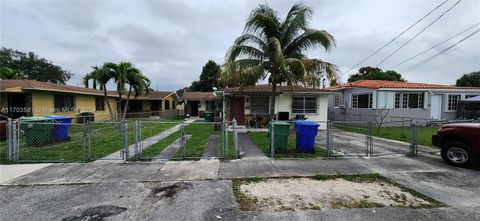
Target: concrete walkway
x=248, y=148
x=8, y=172
x=213, y=145
x=168, y=152
x=147, y=142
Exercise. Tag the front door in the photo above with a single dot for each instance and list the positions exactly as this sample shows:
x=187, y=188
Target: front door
x=436, y=107
x=237, y=109
x=194, y=108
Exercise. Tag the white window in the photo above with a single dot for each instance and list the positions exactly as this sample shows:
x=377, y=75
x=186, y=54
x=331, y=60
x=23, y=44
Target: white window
x=453, y=102
x=304, y=105
x=362, y=100
x=337, y=100
x=259, y=105
x=409, y=100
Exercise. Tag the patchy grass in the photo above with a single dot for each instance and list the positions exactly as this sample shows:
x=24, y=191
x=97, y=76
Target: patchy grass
x=262, y=140
x=105, y=138
x=395, y=133
x=396, y=194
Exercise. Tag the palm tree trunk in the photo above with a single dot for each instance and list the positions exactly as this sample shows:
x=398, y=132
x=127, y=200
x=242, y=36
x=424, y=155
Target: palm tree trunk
x=106, y=101
x=272, y=102
x=119, y=107
x=126, y=104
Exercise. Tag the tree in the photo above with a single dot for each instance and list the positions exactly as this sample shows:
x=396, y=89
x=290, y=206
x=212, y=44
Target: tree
x=275, y=49
x=469, y=80
x=209, y=78
x=125, y=76
x=8, y=73
x=375, y=73
x=30, y=66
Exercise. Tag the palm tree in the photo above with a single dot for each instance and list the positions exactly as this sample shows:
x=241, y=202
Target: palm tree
x=126, y=75
x=102, y=75
x=275, y=49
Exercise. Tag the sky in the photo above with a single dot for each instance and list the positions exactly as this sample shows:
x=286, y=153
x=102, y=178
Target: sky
x=170, y=41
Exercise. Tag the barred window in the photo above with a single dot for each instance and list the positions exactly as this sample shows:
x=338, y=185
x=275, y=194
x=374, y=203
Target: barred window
x=336, y=100
x=362, y=100
x=453, y=101
x=63, y=103
x=397, y=100
x=304, y=105
x=174, y=106
x=409, y=100
x=99, y=104
x=259, y=105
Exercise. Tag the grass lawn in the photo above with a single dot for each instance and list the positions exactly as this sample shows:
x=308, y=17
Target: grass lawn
x=396, y=133
x=194, y=146
x=105, y=138
x=262, y=140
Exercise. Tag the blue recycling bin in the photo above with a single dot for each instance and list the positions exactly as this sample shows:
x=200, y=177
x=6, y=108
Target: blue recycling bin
x=60, y=131
x=306, y=131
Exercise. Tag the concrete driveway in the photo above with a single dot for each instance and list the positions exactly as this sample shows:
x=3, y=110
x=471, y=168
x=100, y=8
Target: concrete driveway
x=201, y=190
x=354, y=144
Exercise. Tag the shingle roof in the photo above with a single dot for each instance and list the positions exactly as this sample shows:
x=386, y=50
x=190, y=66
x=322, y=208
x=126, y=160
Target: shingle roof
x=154, y=95
x=199, y=96
x=377, y=84
x=40, y=85
x=263, y=88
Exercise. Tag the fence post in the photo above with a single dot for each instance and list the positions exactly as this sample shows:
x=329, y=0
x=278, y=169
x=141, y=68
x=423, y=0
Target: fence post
x=226, y=140
x=413, y=139
x=328, y=143
x=125, y=140
x=84, y=140
x=136, y=149
x=235, y=138
x=89, y=143
x=182, y=139
x=369, y=140
x=10, y=139
x=403, y=127
x=272, y=140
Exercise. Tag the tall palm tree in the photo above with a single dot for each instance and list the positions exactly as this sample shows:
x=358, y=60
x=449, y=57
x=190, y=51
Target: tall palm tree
x=126, y=75
x=102, y=75
x=275, y=49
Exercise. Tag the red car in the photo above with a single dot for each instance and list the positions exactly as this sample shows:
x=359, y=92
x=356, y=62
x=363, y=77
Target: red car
x=459, y=142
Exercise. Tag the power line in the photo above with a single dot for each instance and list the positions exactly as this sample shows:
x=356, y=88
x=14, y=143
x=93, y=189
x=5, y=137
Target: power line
x=423, y=52
x=411, y=39
x=395, y=38
x=446, y=49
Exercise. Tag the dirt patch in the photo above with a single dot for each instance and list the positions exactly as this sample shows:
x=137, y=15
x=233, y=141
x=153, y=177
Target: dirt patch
x=170, y=190
x=97, y=213
x=279, y=194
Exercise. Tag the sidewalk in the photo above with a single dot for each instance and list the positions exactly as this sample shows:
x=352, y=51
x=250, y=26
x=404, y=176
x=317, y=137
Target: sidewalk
x=8, y=172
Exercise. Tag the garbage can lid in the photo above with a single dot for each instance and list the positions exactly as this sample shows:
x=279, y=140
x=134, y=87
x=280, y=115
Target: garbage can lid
x=58, y=117
x=281, y=123
x=33, y=118
x=306, y=123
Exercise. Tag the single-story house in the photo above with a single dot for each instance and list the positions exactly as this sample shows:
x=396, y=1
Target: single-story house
x=197, y=103
x=156, y=103
x=250, y=105
x=365, y=99
x=35, y=98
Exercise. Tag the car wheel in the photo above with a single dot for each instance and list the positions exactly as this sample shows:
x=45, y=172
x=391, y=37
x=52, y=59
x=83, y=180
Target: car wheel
x=456, y=154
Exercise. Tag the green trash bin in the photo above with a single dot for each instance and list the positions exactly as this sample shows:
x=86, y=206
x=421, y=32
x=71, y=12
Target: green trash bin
x=281, y=130
x=38, y=130
x=209, y=116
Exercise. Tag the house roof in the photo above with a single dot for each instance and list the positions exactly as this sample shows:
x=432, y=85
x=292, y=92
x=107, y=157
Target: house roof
x=263, y=88
x=6, y=85
x=156, y=95
x=199, y=96
x=378, y=84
